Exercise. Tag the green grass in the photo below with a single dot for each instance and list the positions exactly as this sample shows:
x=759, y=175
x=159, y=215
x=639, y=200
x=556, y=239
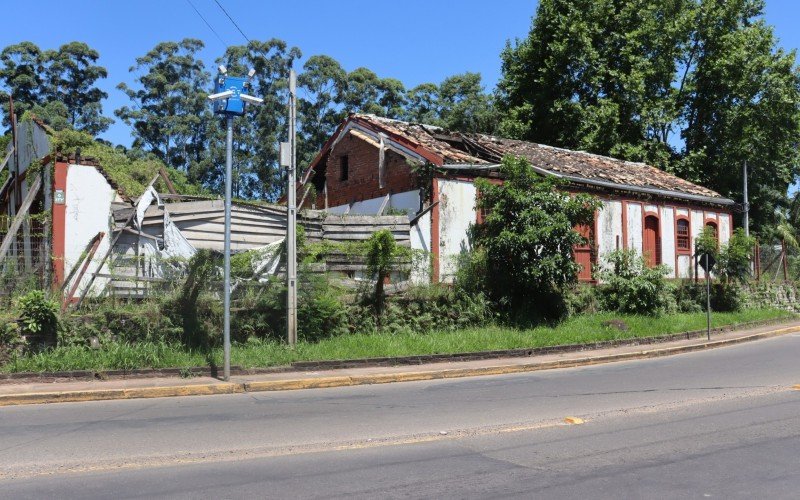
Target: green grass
x=578, y=330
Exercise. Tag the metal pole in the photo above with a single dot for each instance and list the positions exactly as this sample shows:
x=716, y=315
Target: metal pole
x=291, y=230
x=708, y=300
x=746, y=203
x=226, y=333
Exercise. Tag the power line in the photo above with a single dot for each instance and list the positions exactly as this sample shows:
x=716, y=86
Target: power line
x=234, y=22
x=208, y=24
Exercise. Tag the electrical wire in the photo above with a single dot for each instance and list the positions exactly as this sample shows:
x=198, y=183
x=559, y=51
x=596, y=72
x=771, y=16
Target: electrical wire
x=208, y=24
x=234, y=22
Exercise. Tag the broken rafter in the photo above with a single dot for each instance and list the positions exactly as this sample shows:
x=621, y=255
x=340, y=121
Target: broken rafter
x=113, y=242
x=20, y=217
x=165, y=176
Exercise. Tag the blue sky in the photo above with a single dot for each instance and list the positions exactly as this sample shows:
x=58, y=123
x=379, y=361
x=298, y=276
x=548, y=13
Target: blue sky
x=414, y=41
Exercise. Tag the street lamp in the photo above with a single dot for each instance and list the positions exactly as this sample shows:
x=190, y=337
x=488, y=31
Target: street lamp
x=229, y=100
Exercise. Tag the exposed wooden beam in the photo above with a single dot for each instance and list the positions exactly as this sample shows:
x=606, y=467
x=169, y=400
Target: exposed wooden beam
x=94, y=244
x=164, y=175
x=385, y=202
x=10, y=237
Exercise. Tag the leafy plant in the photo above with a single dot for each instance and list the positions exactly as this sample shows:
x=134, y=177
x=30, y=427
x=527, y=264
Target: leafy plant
x=629, y=286
x=38, y=314
x=735, y=257
x=528, y=236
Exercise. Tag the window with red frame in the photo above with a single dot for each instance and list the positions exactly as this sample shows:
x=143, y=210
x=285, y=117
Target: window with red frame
x=683, y=235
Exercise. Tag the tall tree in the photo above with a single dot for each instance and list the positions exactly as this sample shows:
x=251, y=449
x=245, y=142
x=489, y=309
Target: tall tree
x=742, y=104
x=70, y=76
x=423, y=103
x=322, y=83
x=692, y=86
x=21, y=76
x=169, y=112
x=596, y=75
x=257, y=136
x=464, y=106
x=58, y=85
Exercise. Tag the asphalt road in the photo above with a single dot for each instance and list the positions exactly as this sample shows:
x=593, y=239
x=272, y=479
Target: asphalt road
x=722, y=423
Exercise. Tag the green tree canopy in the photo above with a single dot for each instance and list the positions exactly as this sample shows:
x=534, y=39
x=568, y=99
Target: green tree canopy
x=169, y=113
x=692, y=86
x=59, y=85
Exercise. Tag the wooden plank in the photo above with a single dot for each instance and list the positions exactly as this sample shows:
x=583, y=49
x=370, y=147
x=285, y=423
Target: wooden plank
x=95, y=243
x=19, y=217
x=165, y=177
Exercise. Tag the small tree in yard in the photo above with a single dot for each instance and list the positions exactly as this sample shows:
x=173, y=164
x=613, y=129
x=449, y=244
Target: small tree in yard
x=735, y=257
x=527, y=237
x=381, y=251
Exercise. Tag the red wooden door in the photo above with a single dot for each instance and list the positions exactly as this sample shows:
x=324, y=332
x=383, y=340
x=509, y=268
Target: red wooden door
x=584, y=255
x=651, y=246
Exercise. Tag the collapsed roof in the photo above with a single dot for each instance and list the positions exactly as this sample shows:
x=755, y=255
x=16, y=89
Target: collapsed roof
x=479, y=152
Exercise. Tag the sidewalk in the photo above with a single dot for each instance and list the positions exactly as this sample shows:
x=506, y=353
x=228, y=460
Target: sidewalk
x=12, y=393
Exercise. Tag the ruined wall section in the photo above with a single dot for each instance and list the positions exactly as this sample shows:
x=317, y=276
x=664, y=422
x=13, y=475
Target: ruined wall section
x=362, y=176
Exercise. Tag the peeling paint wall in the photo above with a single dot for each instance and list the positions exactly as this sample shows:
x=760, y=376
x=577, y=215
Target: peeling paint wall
x=88, y=211
x=724, y=229
x=698, y=223
x=456, y=213
x=667, y=221
x=635, y=227
x=609, y=228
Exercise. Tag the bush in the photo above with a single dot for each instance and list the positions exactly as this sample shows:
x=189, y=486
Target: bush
x=528, y=236
x=735, y=257
x=630, y=287
x=38, y=315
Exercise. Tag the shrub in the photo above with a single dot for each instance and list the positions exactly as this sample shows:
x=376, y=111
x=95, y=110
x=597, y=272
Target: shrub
x=734, y=259
x=630, y=287
x=528, y=236
x=38, y=314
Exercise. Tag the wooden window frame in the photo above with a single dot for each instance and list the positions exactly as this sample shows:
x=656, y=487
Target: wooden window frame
x=678, y=249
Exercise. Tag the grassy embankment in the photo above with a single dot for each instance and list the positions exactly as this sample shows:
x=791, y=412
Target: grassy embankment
x=581, y=329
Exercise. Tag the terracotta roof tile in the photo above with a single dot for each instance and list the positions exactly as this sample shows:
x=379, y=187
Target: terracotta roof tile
x=480, y=149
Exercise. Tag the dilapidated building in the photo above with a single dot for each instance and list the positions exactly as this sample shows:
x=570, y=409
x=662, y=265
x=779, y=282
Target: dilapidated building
x=368, y=166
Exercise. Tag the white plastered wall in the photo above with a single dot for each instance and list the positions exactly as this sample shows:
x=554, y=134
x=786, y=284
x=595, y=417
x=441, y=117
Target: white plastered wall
x=724, y=228
x=456, y=214
x=667, y=221
x=88, y=200
x=609, y=228
x=634, y=223
x=698, y=223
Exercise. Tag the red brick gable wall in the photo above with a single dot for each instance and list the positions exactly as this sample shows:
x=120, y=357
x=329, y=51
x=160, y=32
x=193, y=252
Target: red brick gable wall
x=362, y=182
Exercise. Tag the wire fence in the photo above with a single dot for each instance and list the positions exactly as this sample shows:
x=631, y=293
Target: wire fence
x=26, y=264
x=776, y=261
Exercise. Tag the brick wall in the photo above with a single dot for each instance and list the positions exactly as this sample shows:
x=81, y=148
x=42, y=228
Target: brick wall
x=362, y=182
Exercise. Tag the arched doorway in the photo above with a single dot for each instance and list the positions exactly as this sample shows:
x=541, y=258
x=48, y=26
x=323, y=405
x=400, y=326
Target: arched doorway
x=651, y=246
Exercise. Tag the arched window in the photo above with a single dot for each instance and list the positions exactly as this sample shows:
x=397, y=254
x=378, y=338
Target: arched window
x=713, y=227
x=682, y=235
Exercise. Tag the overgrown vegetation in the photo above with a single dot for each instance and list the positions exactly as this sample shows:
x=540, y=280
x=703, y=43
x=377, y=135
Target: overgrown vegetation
x=406, y=342
x=130, y=170
x=629, y=286
x=527, y=238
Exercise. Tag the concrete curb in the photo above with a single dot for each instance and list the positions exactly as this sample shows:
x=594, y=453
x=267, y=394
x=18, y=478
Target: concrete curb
x=352, y=380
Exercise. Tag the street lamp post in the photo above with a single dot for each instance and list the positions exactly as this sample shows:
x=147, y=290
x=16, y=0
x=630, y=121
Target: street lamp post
x=229, y=101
